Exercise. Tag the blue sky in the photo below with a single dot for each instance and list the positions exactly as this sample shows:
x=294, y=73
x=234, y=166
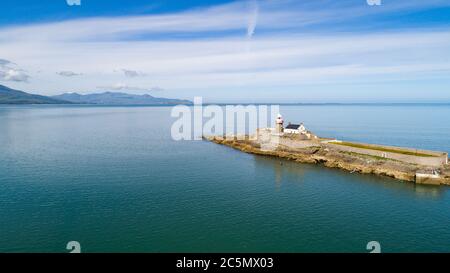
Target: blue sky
x=26, y=11
x=255, y=50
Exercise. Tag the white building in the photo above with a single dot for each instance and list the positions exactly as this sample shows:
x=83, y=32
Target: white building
x=295, y=129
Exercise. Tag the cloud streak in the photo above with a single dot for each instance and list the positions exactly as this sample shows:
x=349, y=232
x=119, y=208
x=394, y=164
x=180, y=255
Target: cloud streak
x=252, y=19
x=132, y=73
x=271, y=16
x=289, y=50
x=126, y=87
x=68, y=73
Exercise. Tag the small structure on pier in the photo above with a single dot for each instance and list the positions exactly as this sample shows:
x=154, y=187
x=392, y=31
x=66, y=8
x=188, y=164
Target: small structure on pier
x=292, y=135
x=429, y=176
x=295, y=129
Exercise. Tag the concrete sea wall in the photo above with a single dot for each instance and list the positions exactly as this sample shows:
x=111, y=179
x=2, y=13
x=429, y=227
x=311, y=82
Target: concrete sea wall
x=436, y=160
x=270, y=140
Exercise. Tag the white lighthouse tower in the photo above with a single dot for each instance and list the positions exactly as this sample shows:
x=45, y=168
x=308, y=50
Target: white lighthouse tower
x=279, y=124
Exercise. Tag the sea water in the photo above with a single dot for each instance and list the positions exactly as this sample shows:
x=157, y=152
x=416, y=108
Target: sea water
x=113, y=179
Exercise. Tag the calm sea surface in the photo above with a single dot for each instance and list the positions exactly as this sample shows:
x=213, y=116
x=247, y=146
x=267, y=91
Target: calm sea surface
x=114, y=180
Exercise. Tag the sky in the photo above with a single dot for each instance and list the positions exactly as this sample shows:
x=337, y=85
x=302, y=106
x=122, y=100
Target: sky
x=230, y=51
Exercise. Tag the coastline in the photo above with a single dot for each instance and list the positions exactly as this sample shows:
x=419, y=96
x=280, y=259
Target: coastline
x=351, y=162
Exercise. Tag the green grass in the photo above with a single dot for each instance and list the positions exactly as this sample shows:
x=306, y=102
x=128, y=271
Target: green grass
x=362, y=146
x=370, y=156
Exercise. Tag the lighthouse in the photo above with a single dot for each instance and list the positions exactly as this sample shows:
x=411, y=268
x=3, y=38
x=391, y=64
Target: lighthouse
x=279, y=124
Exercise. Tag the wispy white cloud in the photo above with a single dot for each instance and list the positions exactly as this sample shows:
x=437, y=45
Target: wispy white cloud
x=14, y=75
x=10, y=71
x=284, y=53
x=132, y=73
x=4, y=62
x=126, y=87
x=68, y=73
x=253, y=18
x=270, y=14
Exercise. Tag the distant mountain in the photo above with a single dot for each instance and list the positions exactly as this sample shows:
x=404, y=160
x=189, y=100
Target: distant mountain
x=11, y=96
x=115, y=98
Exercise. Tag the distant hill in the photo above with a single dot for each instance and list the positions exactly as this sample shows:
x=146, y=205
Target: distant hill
x=11, y=96
x=115, y=98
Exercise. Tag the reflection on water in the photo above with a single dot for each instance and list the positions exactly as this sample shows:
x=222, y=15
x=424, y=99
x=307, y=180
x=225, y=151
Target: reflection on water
x=430, y=191
x=282, y=168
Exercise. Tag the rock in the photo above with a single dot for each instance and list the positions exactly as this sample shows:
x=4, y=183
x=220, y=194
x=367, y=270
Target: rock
x=328, y=158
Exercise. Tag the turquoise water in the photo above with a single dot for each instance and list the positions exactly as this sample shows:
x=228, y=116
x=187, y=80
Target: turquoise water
x=114, y=180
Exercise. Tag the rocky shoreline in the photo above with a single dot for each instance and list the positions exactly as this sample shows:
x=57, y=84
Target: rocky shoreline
x=352, y=162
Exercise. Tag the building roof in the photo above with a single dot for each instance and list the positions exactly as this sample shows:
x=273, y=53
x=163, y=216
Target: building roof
x=293, y=126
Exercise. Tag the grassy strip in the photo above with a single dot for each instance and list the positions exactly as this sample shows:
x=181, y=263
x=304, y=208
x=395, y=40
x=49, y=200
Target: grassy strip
x=366, y=156
x=362, y=146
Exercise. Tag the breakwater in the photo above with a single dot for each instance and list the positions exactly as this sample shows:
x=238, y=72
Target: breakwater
x=324, y=153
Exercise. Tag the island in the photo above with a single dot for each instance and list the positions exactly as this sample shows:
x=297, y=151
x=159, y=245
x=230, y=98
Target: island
x=295, y=142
